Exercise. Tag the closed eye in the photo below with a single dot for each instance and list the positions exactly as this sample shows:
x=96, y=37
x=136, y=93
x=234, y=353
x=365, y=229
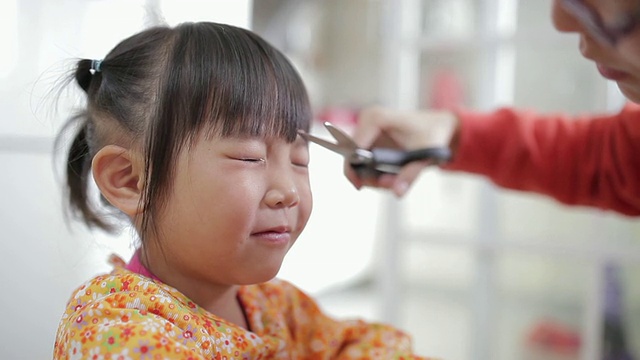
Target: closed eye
x=303, y=163
x=253, y=160
x=300, y=153
x=248, y=159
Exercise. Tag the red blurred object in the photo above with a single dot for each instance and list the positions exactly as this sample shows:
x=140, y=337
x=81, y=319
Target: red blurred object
x=554, y=338
x=338, y=116
x=447, y=91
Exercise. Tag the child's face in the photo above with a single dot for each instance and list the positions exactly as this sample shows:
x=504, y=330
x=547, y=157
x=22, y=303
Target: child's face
x=237, y=206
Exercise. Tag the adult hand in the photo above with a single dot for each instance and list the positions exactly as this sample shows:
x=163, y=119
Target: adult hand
x=409, y=130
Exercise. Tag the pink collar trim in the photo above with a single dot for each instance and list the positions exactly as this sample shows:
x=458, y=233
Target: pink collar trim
x=135, y=265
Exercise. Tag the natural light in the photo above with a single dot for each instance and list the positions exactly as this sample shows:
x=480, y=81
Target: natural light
x=8, y=36
x=233, y=12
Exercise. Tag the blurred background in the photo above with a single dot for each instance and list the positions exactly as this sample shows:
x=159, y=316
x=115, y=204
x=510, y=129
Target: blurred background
x=471, y=271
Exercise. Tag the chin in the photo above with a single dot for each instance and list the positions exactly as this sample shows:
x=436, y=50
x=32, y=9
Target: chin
x=262, y=275
x=261, y=279
x=632, y=93
x=269, y=274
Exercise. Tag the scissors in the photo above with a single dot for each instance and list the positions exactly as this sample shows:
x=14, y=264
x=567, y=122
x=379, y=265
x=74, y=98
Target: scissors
x=378, y=160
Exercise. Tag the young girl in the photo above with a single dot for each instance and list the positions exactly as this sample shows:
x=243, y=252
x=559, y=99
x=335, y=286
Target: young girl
x=192, y=133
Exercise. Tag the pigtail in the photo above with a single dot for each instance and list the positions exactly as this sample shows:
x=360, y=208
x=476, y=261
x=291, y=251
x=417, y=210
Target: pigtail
x=77, y=171
x=120, y=100
x=88, y=72
x=78, y=165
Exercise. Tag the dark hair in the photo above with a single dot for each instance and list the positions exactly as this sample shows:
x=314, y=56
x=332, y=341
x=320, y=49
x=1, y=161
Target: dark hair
x=162, y=87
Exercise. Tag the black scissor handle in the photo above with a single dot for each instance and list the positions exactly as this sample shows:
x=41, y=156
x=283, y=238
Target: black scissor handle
x=401, y=157
x=388, y=160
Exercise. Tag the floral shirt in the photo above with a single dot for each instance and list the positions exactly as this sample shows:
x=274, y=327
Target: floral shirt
x=124, y=315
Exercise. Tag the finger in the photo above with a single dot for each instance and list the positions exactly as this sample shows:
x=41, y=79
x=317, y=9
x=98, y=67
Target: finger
x=386, y=181
x=382, y=181
x=371, y=124
x=377, y=180
x=351, y=175
x=407, y=177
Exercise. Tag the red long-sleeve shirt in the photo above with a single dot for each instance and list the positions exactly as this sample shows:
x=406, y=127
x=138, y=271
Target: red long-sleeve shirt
x=589, y=160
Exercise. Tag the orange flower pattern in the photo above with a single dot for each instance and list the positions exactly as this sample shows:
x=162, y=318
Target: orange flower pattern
x=124, y=315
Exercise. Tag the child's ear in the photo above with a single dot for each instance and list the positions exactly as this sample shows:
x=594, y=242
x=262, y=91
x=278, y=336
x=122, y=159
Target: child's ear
x=119, y=174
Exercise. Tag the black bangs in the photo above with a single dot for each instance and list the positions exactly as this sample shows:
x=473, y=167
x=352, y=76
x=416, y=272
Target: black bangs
x=231, y=82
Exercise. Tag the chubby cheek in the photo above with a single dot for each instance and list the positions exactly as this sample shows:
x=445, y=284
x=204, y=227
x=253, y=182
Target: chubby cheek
x=629, y=51
x=239, y=200
x=221, y=200
x=305, y=206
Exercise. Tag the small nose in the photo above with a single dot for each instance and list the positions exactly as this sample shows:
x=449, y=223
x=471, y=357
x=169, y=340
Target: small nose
x=283, y=191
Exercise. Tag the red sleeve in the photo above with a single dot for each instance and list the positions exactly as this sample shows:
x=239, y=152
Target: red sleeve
x=591, y=160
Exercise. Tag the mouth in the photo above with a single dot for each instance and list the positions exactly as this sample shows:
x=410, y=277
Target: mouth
x=279, y=235
x=610, y=73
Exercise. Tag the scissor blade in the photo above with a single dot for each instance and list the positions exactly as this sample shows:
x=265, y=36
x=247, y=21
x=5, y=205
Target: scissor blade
x=343, y=139
x=337, y=148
